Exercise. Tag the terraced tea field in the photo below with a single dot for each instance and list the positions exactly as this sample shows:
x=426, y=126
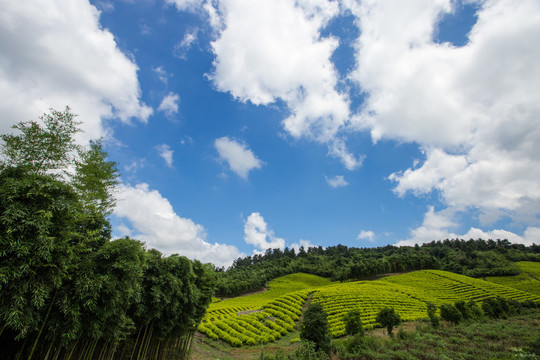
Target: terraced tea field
x=528, y=281
x=265, y=317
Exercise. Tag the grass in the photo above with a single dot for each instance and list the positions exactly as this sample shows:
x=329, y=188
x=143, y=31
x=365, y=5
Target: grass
x=488, y=339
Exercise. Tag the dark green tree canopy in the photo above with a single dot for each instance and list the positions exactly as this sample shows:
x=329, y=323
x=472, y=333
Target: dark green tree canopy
x=353, y=322
x=451, y=313
x=314, y=327
x=388, y=318
x=66, y=289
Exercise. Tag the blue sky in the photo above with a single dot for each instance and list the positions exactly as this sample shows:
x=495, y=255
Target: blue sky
x=242, y=125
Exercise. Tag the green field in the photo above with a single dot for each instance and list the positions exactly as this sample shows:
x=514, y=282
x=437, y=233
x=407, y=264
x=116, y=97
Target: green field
x=528, y=281
x=266, y=317
x=263, y=317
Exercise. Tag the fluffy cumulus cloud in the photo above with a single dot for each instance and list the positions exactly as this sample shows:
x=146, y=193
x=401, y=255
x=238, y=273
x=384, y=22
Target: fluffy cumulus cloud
x=55, y=53
x=258, y=234
x=270, y=51
x=438, y=167
x=238, y=156
x=273, y=50
x=474, y=109
x=306, y=244
x=366, y=235
x=150, y=217
x=439, y=225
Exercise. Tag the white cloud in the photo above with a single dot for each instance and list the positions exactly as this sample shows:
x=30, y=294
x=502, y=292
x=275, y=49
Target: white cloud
x=186, y=5
x=366, y=235
x=135, y=165
x=339, y=150
x=185, y=44
x=435, y=226
x=162, y=74
x=55, y=53
x=437, y=167
x=152, y=219
x=336, y=181
x=305, y=243
x=241, y=160
x=532, y=236
x=166, y=153
x=273, y=50
x=257, y=233
x=169, y=104
x=474, y=109
x=438, y=226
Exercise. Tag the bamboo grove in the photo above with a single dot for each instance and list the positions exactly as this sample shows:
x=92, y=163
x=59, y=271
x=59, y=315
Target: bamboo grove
x=67, y=291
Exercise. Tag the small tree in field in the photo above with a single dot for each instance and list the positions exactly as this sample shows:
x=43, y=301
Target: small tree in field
x=388, y=318
x=353, y=322
x=315, y=327
x=450, y=313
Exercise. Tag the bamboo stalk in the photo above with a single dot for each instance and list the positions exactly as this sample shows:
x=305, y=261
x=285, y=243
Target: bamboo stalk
x=42, y=326
x=142, y=343
x=136, y=342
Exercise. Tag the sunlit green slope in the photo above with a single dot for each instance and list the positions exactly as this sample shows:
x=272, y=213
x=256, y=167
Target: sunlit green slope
x=265, y=317
x=528, y=281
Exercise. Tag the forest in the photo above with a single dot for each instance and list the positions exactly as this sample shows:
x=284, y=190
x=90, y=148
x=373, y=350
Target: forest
x=475, y=258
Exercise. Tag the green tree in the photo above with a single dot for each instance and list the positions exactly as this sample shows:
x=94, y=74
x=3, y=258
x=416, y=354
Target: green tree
x=95, y=177
x=43, y=148
x=353, y=322
x=314, y=327
x=450, y=313
x=36, y=220
x=388, y=318
x=474, y=309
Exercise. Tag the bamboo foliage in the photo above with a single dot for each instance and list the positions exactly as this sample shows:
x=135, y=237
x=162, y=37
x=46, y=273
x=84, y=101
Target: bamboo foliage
x=67, y=291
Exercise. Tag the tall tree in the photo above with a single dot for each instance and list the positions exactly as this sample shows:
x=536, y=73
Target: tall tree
x=388, y=318
x=36, y=220
x=43, y=147
x=95, y=177
x=315, y=327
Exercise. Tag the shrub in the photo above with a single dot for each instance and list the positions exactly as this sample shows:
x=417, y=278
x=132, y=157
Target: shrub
x=450, y=313
x=353, y=322
x=388, y=318
x=474, y=309
x=462, y=307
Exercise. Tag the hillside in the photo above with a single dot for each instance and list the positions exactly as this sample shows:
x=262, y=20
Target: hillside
x=528, y=280
x=268, y=316
x=474, y=258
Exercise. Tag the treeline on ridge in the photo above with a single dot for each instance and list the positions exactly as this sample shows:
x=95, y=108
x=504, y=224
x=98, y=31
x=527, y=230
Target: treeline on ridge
x=475, y=258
